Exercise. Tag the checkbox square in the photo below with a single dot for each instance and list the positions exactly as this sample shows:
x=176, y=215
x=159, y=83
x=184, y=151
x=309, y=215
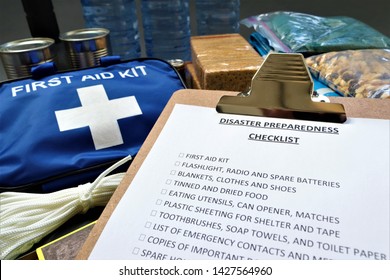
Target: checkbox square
x=142, y=237
x=181, y=155
x=164, y=191
x=135, y=251
x=153, y=213
x=177, y=163
x=158, y=202
x=148, y=224
x=168, y=182
x=173, y=172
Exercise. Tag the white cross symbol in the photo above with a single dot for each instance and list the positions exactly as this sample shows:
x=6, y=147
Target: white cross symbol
x=100, y=114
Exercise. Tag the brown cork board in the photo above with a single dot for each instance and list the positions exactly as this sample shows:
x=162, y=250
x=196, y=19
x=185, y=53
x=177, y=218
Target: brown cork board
x=358, y=108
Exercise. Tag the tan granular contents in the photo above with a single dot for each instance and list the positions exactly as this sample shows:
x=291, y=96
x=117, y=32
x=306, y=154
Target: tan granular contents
x=356, y=73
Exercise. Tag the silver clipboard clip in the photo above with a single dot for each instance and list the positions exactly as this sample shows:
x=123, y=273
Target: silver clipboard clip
x=282, y=88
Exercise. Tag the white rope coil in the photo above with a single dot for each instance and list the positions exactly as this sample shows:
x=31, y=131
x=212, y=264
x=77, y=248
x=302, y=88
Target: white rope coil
x=25, y=218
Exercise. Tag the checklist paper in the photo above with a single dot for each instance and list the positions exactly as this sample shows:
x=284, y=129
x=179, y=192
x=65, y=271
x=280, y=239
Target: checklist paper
x=231, y=187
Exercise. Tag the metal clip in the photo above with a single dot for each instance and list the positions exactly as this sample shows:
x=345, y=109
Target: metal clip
x=282, y=88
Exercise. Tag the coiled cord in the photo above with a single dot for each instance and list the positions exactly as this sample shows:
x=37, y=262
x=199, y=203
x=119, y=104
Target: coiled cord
x=25, y=218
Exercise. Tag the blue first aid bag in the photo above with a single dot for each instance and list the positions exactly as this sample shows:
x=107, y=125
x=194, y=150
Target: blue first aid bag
x=63, y=129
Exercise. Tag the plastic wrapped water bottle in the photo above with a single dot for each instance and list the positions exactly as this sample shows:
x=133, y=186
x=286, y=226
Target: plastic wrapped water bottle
x=217, y=17
x=166, y=25
x=120, y=18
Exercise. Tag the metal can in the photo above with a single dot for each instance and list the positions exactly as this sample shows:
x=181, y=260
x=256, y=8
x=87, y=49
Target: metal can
x=86, y=46
x=179, y=65
x=18, y=57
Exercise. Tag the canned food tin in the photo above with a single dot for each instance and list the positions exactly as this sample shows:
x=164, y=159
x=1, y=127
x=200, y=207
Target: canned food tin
x=179, y=66
x=86, y=46
x=18, y=57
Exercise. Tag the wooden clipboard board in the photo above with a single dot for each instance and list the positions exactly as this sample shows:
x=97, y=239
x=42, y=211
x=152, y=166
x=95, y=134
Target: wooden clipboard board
x=357, y=108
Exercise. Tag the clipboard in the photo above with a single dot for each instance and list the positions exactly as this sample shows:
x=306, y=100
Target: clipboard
x=355, y=108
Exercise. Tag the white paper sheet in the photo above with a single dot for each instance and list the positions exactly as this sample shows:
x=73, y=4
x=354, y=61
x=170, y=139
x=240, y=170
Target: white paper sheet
x=221, y=186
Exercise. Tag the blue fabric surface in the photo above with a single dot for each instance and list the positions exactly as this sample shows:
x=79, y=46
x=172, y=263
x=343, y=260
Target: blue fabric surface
x=34, y=150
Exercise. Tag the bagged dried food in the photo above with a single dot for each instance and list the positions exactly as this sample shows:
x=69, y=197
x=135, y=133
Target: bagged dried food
x=355, y=73
x=305, y=33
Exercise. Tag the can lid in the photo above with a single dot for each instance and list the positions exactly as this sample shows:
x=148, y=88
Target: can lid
x=28, y=44
x=176, y=62
x=84, y=34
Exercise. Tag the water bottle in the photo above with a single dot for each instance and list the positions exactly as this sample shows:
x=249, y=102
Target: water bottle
x=120, y=18
x=217, y=17
x=166, y=25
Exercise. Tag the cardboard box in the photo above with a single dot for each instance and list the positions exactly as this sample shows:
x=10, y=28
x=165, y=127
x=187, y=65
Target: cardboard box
x=65, y=247
x=192, y=80
x=224, y=62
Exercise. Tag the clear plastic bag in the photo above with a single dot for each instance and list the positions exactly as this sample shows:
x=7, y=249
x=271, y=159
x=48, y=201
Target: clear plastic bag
x=304, y=33
x=354, y=73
